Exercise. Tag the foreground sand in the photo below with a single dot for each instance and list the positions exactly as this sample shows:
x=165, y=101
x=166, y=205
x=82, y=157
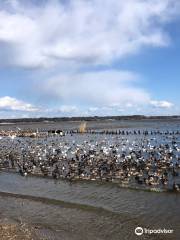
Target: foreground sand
x=15, y=231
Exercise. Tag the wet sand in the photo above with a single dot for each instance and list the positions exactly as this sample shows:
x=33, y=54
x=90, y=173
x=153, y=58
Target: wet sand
x=56, y=209
x=16, y=231
x=59, y=210
x=71, y=223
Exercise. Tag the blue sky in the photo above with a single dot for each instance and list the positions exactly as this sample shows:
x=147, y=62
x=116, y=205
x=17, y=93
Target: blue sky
x=70, y=58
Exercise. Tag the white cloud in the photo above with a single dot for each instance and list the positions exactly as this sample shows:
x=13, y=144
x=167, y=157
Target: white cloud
x=105, y=92
x=13, y=104
x=161, y=104
x=99, y=88
x=81, y=31
x=93, y=109
x=66, y=35
x=68, y=109
x=12, y=108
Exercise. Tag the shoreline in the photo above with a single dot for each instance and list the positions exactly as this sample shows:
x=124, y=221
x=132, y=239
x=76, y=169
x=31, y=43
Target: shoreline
x=103, y=182
x=89, y=118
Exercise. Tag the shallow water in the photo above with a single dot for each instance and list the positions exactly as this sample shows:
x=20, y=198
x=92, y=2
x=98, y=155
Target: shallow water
x=89, y=210
x=101, y=124
x=128, y=207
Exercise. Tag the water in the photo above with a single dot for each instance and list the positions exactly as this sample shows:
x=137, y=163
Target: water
x=89, y=210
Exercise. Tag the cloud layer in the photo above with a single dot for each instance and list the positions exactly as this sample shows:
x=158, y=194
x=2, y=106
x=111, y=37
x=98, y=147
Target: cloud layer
x=12, y=104
x=107, y=92
x=98, y=88
x=64, y=38
x=161, y=104
x=91, y=32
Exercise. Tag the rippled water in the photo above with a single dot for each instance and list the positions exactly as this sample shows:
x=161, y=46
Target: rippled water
x=89, y=210
x=129, y=208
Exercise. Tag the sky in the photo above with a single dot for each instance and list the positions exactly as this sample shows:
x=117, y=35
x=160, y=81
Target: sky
x=89, y=58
